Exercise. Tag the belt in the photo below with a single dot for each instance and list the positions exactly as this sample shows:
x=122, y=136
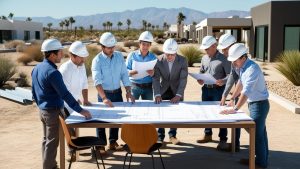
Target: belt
x=258, y=101
x=142, y=85
x=210, y=86
x=113, y=91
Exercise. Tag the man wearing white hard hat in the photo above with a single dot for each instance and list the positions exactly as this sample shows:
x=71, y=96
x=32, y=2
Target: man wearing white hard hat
x=108, y=70
x=74, y=73
x=141, y=87
x=252, y=89
x=50, y=92
x=225, y=42
x=216, y=64
x=169, y=81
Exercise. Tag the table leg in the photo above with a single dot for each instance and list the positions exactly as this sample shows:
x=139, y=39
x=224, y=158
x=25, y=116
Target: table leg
x=62, y=148
x=252, y=148
x=233, y=140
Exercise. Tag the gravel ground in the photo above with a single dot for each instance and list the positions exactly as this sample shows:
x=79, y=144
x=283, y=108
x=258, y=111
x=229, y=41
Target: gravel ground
x=285, y=89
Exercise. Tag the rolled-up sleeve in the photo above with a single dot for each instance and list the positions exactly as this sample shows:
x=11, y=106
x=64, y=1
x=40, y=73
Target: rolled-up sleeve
x=129, y=61
x=96, y=71
x=249, y=83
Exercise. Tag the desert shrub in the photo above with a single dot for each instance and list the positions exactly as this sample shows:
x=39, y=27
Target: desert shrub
x=156, y=51
x=160, y=41
x=120, y=49
x=131, y=43
x=7, y=70
x=34, y=51
x=24, y=59
x=288, y=66
x=21, y=48
x=192, y=54
x=22, y=81
x=93, y=51
x=13, y=44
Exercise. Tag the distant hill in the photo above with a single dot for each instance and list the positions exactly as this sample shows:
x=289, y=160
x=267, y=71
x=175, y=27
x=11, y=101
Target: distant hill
x=156, y=16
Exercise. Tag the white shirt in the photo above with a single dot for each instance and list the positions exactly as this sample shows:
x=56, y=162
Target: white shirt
x=74, y=78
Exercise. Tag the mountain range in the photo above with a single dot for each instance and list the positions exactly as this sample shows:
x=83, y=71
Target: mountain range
x=153, y=15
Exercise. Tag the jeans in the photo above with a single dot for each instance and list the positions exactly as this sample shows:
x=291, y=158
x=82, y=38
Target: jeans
x=113, y=132
x=214, y=94
x=168, y=95
x=50, y=142
x=144, y=93
x=258, y=112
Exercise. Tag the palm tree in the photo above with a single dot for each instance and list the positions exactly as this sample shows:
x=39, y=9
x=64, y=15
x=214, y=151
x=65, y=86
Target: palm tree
x=10, y=16
x=119, y=25
x=144, y=24
x=194, y=23
x=28, y=19
x=91, y=28
x=67, y=23
x=165, y=25
x=110, y=25
x=3, y=17
x=153, y=26
x=81, y=28
x=157, y=26
x=104, y=25
x=72, y=20
x=180, y=19
x=149, y=26
x=61, y=24
x=128, y=23
x=49, y=26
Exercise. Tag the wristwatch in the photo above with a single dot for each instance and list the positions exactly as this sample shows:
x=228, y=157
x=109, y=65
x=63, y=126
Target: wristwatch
x=235, y=108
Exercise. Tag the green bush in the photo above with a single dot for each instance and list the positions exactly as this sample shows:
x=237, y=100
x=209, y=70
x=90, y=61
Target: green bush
x=289, y=66
x=192, y=54
x=7, y=70
x=93, y=51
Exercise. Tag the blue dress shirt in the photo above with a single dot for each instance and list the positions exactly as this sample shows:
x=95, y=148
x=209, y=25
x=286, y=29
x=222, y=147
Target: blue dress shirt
x=109, y=71
x=137, y=56
x=253, y=81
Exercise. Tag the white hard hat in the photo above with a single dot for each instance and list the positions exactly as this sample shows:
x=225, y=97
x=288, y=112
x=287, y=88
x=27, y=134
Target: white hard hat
x=108, y=39
x=236, y=51
x=170, y=46
x=225, y=41
x=146, y=36
x=207, y=41
x=79, y=49
x=50, y=45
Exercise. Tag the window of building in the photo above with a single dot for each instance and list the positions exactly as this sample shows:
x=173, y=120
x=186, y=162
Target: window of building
x=292, y=38
x=26, y=35
x=37, y=35
x=261, y=43
x=5, y=35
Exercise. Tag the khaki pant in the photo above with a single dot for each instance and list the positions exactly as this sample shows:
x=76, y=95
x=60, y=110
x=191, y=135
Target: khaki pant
x=50, y=140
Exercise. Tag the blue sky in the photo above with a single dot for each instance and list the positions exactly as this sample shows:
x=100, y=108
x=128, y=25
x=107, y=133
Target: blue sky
x=65, y=8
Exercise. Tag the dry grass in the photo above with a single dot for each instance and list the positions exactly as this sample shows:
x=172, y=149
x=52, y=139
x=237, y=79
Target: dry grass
x=7, y=70
x=129, y=44
x=13, y=44
x=120, y=49
x=24, y=59
x=156, y=51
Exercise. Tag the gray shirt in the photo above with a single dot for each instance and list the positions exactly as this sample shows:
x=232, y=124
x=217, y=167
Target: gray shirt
x=218, y=66
x=232, y=79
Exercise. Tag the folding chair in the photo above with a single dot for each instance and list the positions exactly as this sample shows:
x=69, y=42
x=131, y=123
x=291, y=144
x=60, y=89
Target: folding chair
x=140, y=139
x=81, y=143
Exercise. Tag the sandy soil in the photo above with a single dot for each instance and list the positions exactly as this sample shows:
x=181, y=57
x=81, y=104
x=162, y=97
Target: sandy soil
x=21, y=133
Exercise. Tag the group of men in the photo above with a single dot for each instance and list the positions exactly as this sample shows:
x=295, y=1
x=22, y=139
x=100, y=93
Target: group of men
x=55, y=89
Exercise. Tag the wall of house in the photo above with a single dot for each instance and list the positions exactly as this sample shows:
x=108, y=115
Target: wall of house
x=18, y=28
x=283, y=13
